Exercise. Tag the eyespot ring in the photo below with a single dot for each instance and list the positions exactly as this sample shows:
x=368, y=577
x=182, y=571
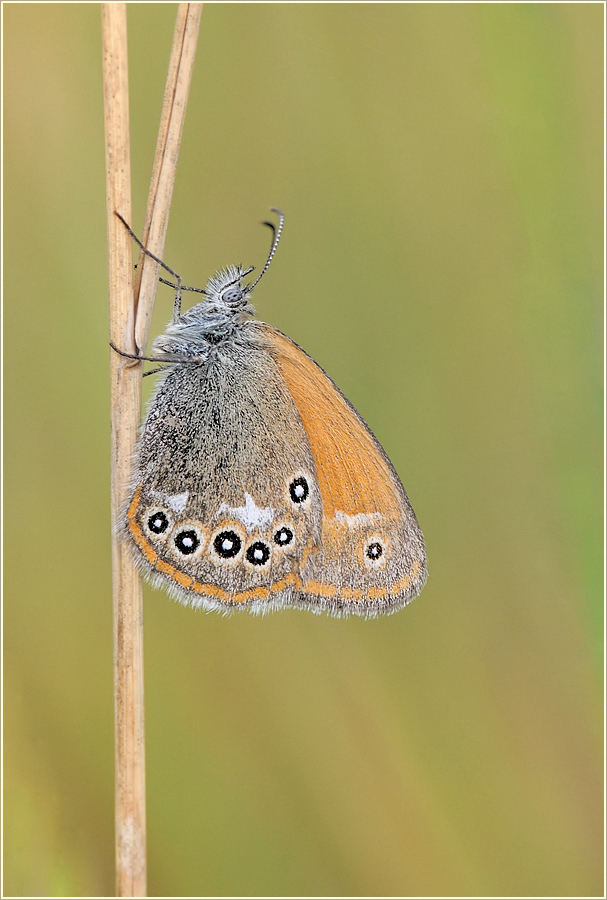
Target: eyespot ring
x=375, y=551
x=284, y=535
x=157, y=522
x=258, y=554
x=299, y=491
x=188, y=540
x=227, y=544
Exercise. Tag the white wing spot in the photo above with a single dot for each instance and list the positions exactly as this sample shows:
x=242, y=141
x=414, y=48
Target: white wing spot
x=358, y=519
x=177, y=502
x=251, y=515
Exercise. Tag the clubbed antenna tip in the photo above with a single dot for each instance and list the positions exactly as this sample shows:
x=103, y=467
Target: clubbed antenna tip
x=276, y=232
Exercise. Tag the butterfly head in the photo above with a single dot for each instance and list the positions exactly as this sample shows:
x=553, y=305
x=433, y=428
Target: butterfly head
x=225, y=307
x=226, y=291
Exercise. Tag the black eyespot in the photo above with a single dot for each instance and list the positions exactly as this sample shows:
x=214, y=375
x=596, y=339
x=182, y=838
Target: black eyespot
x=374, y=551
x=158, y=523
x=258, y=553
x=232, y=295
x=187, y=542
x=299, y=490
x=283, y=536
x=227, y=544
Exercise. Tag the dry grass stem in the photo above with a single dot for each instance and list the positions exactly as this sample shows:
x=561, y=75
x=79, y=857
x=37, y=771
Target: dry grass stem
x=125, y=411
x=176, y=92
x=130, y=315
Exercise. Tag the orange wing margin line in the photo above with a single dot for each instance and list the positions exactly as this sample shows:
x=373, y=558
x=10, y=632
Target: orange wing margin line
x=354, y=476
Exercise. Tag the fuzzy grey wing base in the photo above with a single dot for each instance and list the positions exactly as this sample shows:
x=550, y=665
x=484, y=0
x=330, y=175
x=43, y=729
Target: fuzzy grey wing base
x=212, y=517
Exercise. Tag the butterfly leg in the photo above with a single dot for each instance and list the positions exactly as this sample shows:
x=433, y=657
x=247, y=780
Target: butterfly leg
x=138, y=357
x=177, y=287
x=192, y=360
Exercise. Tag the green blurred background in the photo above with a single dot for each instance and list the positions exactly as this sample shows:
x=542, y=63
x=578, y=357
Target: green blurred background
x=440, y=167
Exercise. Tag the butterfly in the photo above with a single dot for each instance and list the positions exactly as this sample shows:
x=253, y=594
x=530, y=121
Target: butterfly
x=256, y=485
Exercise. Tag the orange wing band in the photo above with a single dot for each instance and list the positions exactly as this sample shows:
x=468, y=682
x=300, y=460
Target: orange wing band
x=353, y=475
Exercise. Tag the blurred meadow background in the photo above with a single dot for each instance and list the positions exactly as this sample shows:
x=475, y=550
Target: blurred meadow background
x=440, y=167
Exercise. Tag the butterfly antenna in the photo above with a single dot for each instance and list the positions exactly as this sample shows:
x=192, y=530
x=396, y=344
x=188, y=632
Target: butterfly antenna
x=145, y=249
x=276, y=232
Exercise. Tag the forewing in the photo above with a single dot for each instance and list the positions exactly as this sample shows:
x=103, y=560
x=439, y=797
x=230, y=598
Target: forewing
x=371, y=557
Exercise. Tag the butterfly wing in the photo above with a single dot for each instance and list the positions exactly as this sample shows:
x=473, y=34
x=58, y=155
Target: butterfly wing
x=225, y=501
x=371, y=557
x=256, y=484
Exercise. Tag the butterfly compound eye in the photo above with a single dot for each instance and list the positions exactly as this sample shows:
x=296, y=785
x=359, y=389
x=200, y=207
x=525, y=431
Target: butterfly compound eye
x=232, y=295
